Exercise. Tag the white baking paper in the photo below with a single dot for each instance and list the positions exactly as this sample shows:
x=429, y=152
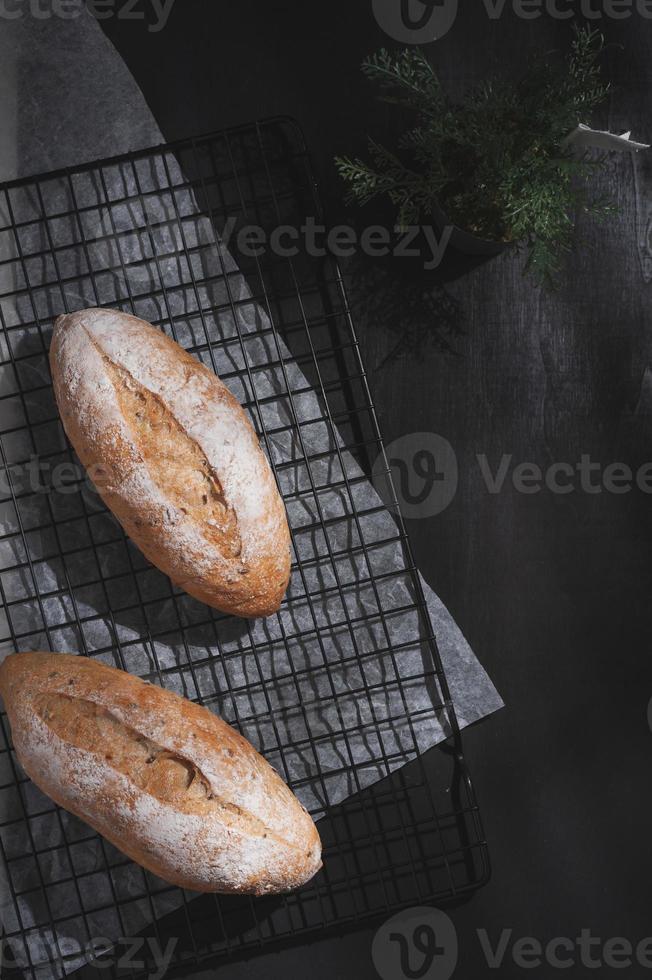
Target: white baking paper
x=338, y=695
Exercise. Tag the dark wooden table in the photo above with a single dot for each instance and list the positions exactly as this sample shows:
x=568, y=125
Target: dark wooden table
x=553, y=591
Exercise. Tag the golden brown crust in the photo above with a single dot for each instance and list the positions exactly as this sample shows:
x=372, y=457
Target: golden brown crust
x=164, y=780
x=175, y=458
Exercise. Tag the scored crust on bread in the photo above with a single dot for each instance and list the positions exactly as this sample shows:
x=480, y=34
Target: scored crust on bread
x=174, y=457
x=165, y=780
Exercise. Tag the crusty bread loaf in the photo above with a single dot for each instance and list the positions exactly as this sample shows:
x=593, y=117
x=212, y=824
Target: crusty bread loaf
x=165, y=780
x=175, y=458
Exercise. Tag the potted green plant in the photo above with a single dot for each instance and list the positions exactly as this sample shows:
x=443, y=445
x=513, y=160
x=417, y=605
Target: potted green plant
x=500, y=165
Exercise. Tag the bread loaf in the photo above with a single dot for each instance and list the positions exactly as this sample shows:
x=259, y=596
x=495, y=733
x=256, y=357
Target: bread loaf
x=175, y=458
x=163, y=779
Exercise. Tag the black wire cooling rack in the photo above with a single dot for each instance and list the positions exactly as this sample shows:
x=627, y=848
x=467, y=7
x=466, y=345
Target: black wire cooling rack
x=127, y=232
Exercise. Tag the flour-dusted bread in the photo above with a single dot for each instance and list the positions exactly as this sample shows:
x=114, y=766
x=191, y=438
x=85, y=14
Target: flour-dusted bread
x=175, y=458
x=163, y=779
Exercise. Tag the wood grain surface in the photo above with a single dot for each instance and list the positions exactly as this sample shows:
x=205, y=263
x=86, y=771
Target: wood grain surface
x=552, y=591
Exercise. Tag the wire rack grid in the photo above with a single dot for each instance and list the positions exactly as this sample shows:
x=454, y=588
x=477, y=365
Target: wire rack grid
x=126, y=232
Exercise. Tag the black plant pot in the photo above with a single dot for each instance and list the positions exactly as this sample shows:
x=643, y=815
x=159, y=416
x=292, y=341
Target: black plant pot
x=441, y=253
x=465, y=242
